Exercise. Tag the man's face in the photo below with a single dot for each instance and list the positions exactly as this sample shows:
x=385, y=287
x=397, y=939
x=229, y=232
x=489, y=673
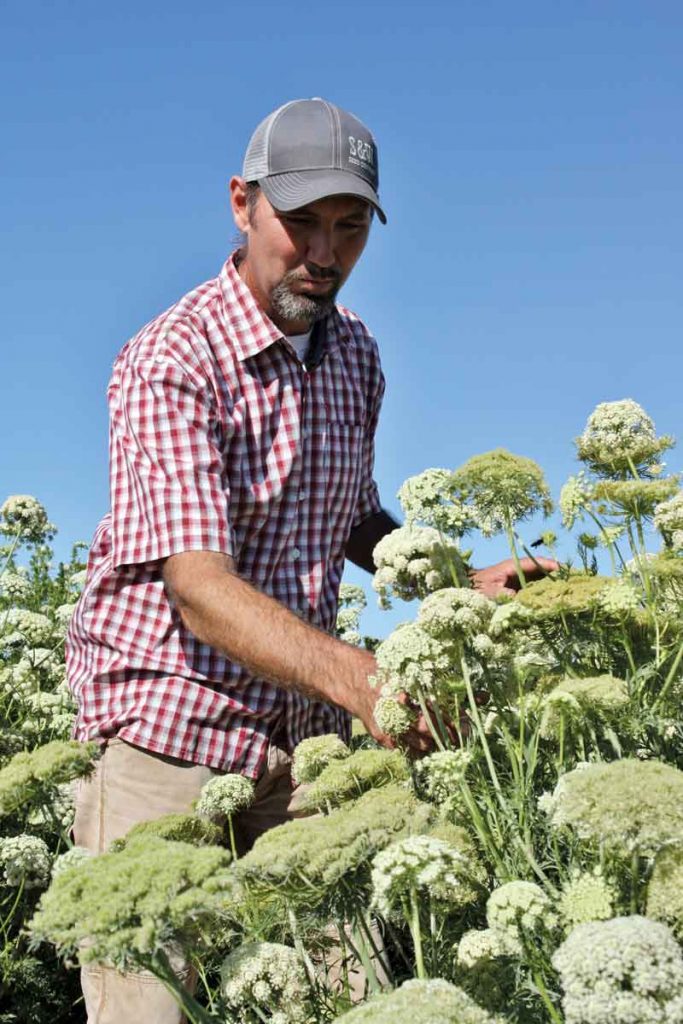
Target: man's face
x=296, y=262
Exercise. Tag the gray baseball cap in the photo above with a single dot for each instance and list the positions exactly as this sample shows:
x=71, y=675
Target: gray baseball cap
x=311, y=149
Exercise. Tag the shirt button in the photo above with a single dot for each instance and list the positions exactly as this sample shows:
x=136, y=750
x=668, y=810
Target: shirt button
x=306, y=434
x=303, y=496
x=296, y=554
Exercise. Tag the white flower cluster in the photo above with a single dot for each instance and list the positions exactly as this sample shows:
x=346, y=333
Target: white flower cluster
x=265, y=978
x=575, y=498
x=479, y=945
x=23, y=516
x=619, y=598
x=428, y=499
x=223, y=796
x=411, y=562
x=314, y=754
x=668, y=519
x=410, y=660
x=440, y=774
x=25, y=859
x=71, y=859
x=508, y=617
x=393, y=717
x=352, y=602
x=35, y=627
x=419, y=863
x=455, y=613
x=518, y=909
x=15, y=585
x=618, y=435
x=627, y=969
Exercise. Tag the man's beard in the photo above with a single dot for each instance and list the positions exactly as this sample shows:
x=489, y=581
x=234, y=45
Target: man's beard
x=294, y=307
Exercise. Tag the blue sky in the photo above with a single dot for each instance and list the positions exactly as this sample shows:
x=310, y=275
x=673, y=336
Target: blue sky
x=530, y=160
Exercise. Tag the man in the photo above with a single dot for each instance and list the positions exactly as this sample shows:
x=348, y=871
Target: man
x=241, y=446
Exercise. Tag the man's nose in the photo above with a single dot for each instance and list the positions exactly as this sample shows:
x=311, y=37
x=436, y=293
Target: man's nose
x=321, y=248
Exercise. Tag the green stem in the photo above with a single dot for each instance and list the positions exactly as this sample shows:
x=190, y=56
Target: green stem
x=513, y=550
x=416, y=933
x=669, y=679
x=231, y=830
x=162, y=969
x=547, y=1001
x=428, y=719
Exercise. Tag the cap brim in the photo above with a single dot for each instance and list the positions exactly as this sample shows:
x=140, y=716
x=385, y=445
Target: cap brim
x=292, y=189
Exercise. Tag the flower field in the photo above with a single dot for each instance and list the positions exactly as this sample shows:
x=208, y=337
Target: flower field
x=529, y=870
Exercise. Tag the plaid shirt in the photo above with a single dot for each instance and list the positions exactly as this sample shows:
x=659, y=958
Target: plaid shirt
x=221, y=440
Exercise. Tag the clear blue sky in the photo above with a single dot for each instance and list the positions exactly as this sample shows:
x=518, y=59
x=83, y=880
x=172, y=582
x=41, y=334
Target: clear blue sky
x=530, y=159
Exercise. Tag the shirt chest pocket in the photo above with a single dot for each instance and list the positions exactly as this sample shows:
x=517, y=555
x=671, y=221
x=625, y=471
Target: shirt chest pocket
x=343, y=456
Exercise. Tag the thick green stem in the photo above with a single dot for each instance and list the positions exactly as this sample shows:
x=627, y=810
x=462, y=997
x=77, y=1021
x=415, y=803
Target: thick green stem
x=513, y=551
x=161, y=967
x=416, y=933
x=668, y=682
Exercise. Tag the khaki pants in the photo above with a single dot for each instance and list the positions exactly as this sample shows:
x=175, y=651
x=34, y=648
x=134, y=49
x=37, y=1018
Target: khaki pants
x=131, y=785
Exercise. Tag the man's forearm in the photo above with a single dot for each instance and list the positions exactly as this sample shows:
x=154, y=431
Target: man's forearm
x=253, y=629
x=363, y=539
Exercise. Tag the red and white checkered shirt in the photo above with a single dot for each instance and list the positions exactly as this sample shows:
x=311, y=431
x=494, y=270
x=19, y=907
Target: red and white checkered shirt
x=221, y=440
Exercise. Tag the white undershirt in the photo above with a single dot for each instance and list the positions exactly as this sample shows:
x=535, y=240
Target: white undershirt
x=299, y=343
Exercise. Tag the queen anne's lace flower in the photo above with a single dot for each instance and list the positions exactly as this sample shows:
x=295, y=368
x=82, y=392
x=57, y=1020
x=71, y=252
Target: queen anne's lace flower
x=620, y=599
x=23, y=516
x=439, y=775
x=72, y=858
x=501, y=489
x=618, y=435
x=392, y=716
x=428, y=499
x=266, y=977
x=574, y=697
x=519, y=908
x=420, y=1002
x=314, y=754
x=575, y=498
x=509, y=617
x=410, y=660
x=34, y=776
x=455, y=613
x=15, y=585
x=347, y=779
x=638, y=498
x=36, y=628
x=627, y=970
x=25, y=859
x=122, y=907
x=223, y=796
x=665, y=889
x=668, y=517
x=179, y=828
x=586, y=897
x=627, y=805
x=575, y=595
x=421, y=864
x=411, y=562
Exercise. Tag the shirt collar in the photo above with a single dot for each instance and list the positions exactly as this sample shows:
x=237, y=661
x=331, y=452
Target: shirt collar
x=252, y=331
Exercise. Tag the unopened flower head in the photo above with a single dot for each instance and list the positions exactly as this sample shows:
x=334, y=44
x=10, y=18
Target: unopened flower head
x=35, y=627
x=619, y=435
x=392, y=716
x=314, y=754
x=502, y=489
x=178, y=828
x=33, y=777
x=166, y=894
x=575, y=697
x=269, y=976
x=421, y=864
x=346, y=779
x=479, y=945
x=223, y=796
x=620, y=599
x=25, y=859
x=635, y=498
x=519, y=908
x=420, y=1002
x=578, y=594
x=575, y=498
x=455, y=613
x=509, y=617
x=627, y=969
x=586, y=896
x=23, y=516
x=627, y=805
x=428, y=499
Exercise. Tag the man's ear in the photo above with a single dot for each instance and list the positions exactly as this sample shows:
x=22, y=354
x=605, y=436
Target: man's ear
x=238, y=202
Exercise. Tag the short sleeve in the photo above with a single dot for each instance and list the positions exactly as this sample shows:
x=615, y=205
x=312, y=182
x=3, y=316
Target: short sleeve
x=168, y=486
x=368, y=503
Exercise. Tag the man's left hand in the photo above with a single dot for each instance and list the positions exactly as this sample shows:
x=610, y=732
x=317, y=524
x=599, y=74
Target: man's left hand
x=502, y=577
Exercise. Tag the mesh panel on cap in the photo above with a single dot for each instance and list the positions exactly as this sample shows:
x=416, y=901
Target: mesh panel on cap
x=256, y=157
